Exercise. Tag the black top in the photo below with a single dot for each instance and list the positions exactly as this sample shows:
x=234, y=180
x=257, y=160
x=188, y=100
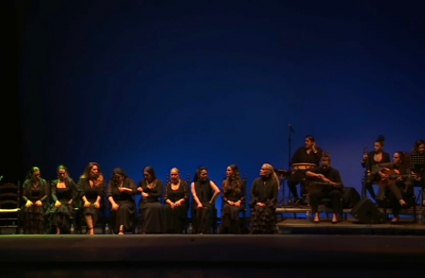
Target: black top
x=91, y=193
x=155, y=193
x=181, y=193
x=203, y=191
x=331, y=173
x=264, y=190
x=229, y=193
x=34, y=194
x=71, y=191
x=370, y=161
x=114, y=192
x=301, y=156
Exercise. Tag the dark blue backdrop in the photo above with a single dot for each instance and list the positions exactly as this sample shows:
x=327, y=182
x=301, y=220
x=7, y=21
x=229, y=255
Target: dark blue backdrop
x=190, y=83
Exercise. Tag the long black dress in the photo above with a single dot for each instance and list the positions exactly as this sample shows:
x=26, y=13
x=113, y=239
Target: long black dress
x=91, y=193
x=151, y=208
x=125, y=215
x=203, y=216
x=34, y=216
x=230, y=218
x=176, y=217
x=64, y=216
x=263, y=219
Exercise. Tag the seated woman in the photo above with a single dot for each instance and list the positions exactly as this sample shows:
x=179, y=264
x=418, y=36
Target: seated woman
x=325, y=182
x=176, y=203
x=264, y=201
x=35, y=195
x=92, y=183
x=205, y=193
x=396, y=180
x=234, y=195
x=151, y=190
x=120, y=193
x=64, y=194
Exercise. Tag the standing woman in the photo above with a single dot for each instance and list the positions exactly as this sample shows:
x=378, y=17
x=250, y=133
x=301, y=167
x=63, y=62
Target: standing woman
x=234, y=195
x=176, y=203
x=120, y=193
x=65, y=192
x=264, y=201
x=151, y=190
x=35, y=195
x=92, y=183
x=204, y=192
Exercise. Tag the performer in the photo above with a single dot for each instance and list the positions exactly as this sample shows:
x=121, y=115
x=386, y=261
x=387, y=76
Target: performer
x=65, y=192
x=234, y=196
x=370, y=161
x=151, y=189
x=92, y=183
x=264, y=201
x=325, y=182
x=303, y=159
x=36, y=191
x=120, y=193
x=396, y=181
x=419, y=150
x=205, y=193
x=176, y=203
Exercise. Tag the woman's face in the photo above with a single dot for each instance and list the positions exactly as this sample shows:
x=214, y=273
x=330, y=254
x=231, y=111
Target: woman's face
x=94, y=171
x=118, y=178
x=62, y=174
x=229, y=172
x=174, y=174
x=203, y=175
x=148, y=176
x=265, y=171
x=377, y=146
x=36, y=175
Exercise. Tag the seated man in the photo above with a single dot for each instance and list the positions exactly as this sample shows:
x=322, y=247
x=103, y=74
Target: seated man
x=325, y=182
x=396, y=182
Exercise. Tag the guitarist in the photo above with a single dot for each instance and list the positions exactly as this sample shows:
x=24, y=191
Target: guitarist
x=325, y=182
x=396, y=180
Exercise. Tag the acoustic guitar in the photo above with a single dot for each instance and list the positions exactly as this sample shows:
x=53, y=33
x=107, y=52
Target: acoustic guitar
x=392, y=174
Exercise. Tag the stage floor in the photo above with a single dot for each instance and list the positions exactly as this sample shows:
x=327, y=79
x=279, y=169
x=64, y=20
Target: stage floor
x=207, y=255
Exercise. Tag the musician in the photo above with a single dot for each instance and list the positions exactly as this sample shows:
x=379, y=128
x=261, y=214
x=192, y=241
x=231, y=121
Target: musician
x=310, y=153
x=264, y=193
x=325, y=182
x=370, y=161
x=419, y=150
x=397, y=189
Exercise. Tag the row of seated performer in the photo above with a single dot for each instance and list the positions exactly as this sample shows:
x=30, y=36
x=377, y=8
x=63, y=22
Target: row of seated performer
x=396, y=178
x=41, y=213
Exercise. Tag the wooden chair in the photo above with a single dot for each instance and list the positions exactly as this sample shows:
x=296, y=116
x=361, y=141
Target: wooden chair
x=10, y=199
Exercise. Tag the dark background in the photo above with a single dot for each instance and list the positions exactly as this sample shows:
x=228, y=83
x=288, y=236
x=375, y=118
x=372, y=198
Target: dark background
x=189, y=83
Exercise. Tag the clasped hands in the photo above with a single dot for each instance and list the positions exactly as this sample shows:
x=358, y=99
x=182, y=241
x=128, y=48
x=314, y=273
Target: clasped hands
x=236, y=204
x=176, y=204
x=88, y=204
x=30, y=204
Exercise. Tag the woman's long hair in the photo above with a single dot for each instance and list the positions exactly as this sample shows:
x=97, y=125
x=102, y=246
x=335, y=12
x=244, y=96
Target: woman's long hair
x=86, y=175
x=417, y=145
x=118, y=171
x=272, y=174
x=234, y=182
x=151, y=172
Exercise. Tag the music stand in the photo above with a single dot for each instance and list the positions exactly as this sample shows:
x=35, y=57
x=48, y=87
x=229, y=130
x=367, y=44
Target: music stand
x=417, y=165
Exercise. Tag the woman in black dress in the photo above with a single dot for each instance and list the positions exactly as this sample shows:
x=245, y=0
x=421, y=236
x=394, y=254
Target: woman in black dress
x=369, y=162
x=151, y=190
x=176, y=203
x=234, y=195
x=120, y=193
x=35, y=195
x=65, y=192
x=264, y=200
x=92, y=183
x=204, y=192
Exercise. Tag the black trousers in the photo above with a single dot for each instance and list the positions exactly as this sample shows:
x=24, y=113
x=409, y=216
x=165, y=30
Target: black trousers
x=370, y=180
x=296, y=178
x=335, y=195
